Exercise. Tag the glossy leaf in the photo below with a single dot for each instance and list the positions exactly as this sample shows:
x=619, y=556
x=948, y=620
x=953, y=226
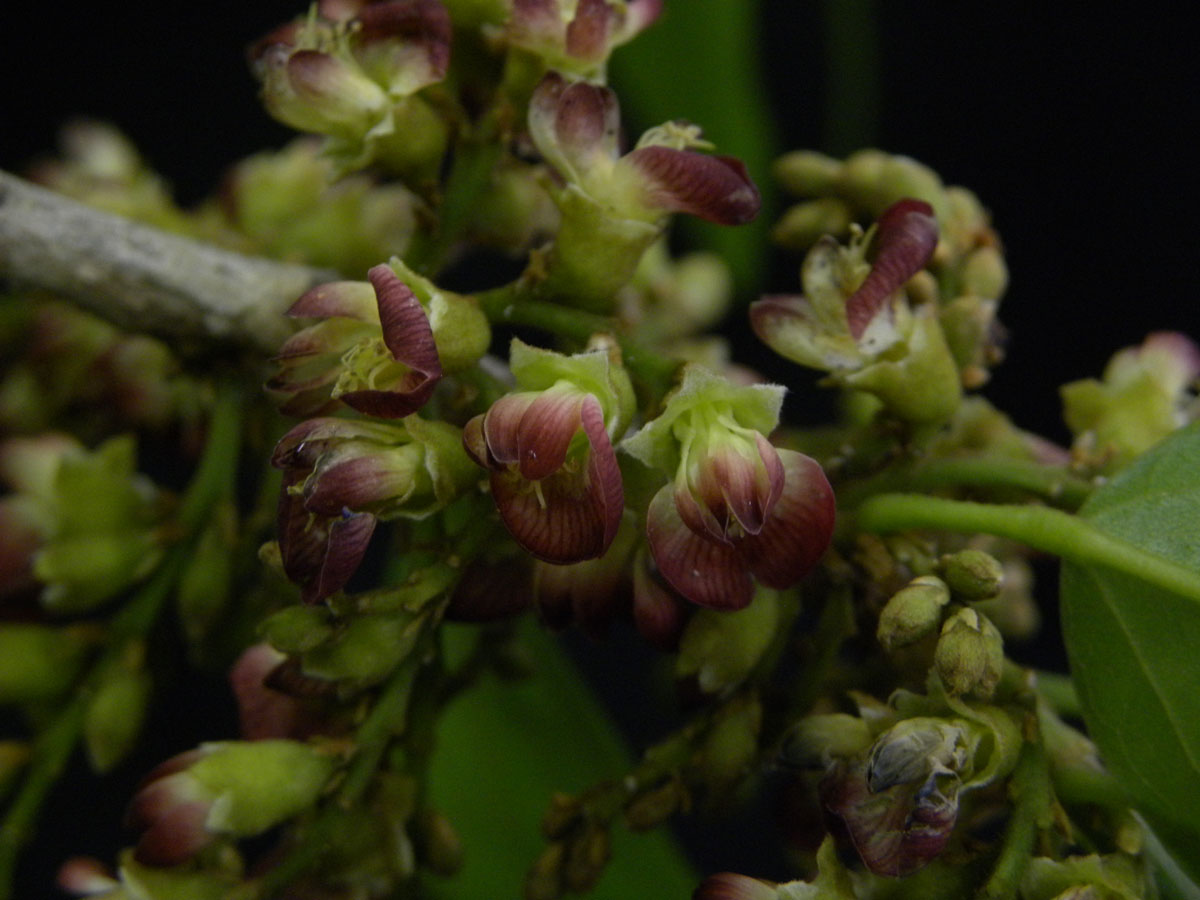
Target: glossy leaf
x=504, y=749
x=1134, y=648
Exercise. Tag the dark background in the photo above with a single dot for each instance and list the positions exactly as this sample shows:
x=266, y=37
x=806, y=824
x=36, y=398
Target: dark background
x=1077, y=131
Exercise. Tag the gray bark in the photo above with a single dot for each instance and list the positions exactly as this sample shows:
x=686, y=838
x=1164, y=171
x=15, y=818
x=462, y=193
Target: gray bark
x=195, y=295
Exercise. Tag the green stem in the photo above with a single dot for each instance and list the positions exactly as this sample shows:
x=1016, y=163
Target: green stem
x=133, y=622
x=1039, y=527
x=386, y=720
x=1078, y=784
x=1055, y=484
x=1059, y=691
x=1031, y=794
x=506, y=306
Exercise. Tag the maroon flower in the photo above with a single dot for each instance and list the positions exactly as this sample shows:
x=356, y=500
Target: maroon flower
x=375, y=351
x=738, y=507
x=582, y=42
x=554, y=473
x=576, y=127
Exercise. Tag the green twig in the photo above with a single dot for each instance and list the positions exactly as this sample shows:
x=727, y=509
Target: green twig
x=58, y=741
x=1031, y=795
x=1039, y=527
x=506, y=306
x=1054, y=484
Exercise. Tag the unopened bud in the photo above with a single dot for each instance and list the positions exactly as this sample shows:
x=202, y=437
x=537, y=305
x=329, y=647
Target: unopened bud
x=113, y=719
x=204, y=585
x=365, y=650
x=815, y=741
x=913, y=612
x=297, y=629
x=806, y=223
x=985, y=273
x=82, y=571
x=972, y=574
x=39, y=662
x=969, y=325
x=653, y=806
x=969, y=655
x=913, y=749
x=806, y=173
x=587, y=857
x=876, y=180
x=731, y=745
x=544, y=880
x=719, y=649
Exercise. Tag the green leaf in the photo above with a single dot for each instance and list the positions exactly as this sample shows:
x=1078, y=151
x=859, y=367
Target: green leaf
x=1134, y=647
x=504, y=749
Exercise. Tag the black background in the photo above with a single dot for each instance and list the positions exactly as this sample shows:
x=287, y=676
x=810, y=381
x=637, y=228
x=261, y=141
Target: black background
x=1074, y=123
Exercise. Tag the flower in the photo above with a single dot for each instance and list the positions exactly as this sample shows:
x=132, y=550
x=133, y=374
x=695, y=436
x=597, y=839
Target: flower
x=738, y=507
x=378, y=350
x=614, y=206
x=577, y=36
x=855, y=322
x=230, y=788
x=356, y=81
x=549, y=449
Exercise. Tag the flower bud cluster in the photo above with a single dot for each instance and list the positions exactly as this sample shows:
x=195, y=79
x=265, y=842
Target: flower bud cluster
x=1146, y=392
x=358, y=79
x=80, y=523
x=971, y=275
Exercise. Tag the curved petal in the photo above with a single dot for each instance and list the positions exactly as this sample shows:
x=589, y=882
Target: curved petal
x=174, y=835
x=716, y=188
x=658, y=612
x=603, y=472
x=502, y=428
x=406, y=329
x=545, y=431
x=345, y=299
x=799, y=528
x=406, y=43
x=588, y=32
x=700, y=569
x=906, y=237
x=319, y=553
x=746, y=489
x=554, y=519
x=573, y=124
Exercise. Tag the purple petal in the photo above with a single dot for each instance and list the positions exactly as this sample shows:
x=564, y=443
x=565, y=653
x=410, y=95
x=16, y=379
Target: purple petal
x=716, y=188
x=745, y=489
x=800, y=526
x=603, y=472
x=702, y=570
x=420, y=24
x=502, y=428
x=896, y=831
x=731, y=886
x=906, y=236
x=319, y=553
x=545, y=432
x=658, y=612
x=347, y=299
x=589, y=31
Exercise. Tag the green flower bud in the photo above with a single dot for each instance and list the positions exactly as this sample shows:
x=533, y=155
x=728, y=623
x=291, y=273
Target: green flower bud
x=234, y=788
x=204, y=586
x=83, y=571
x=297, y=629
x=39, y=662
x=365, y=650
x=972, y=574
x=985, y=273
x=807, y=173
x=874, y=180
x=114, y=716
x=913, y=612
x=730, y=747
x=719, y=648
x=804, y=224
x=968, y=323
x=969, y=655
x=814, y=741
x=651, y=807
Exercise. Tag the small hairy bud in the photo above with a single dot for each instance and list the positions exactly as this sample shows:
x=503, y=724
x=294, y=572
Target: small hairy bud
x=972, y=574
x=913, y=612
x=969, y=655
